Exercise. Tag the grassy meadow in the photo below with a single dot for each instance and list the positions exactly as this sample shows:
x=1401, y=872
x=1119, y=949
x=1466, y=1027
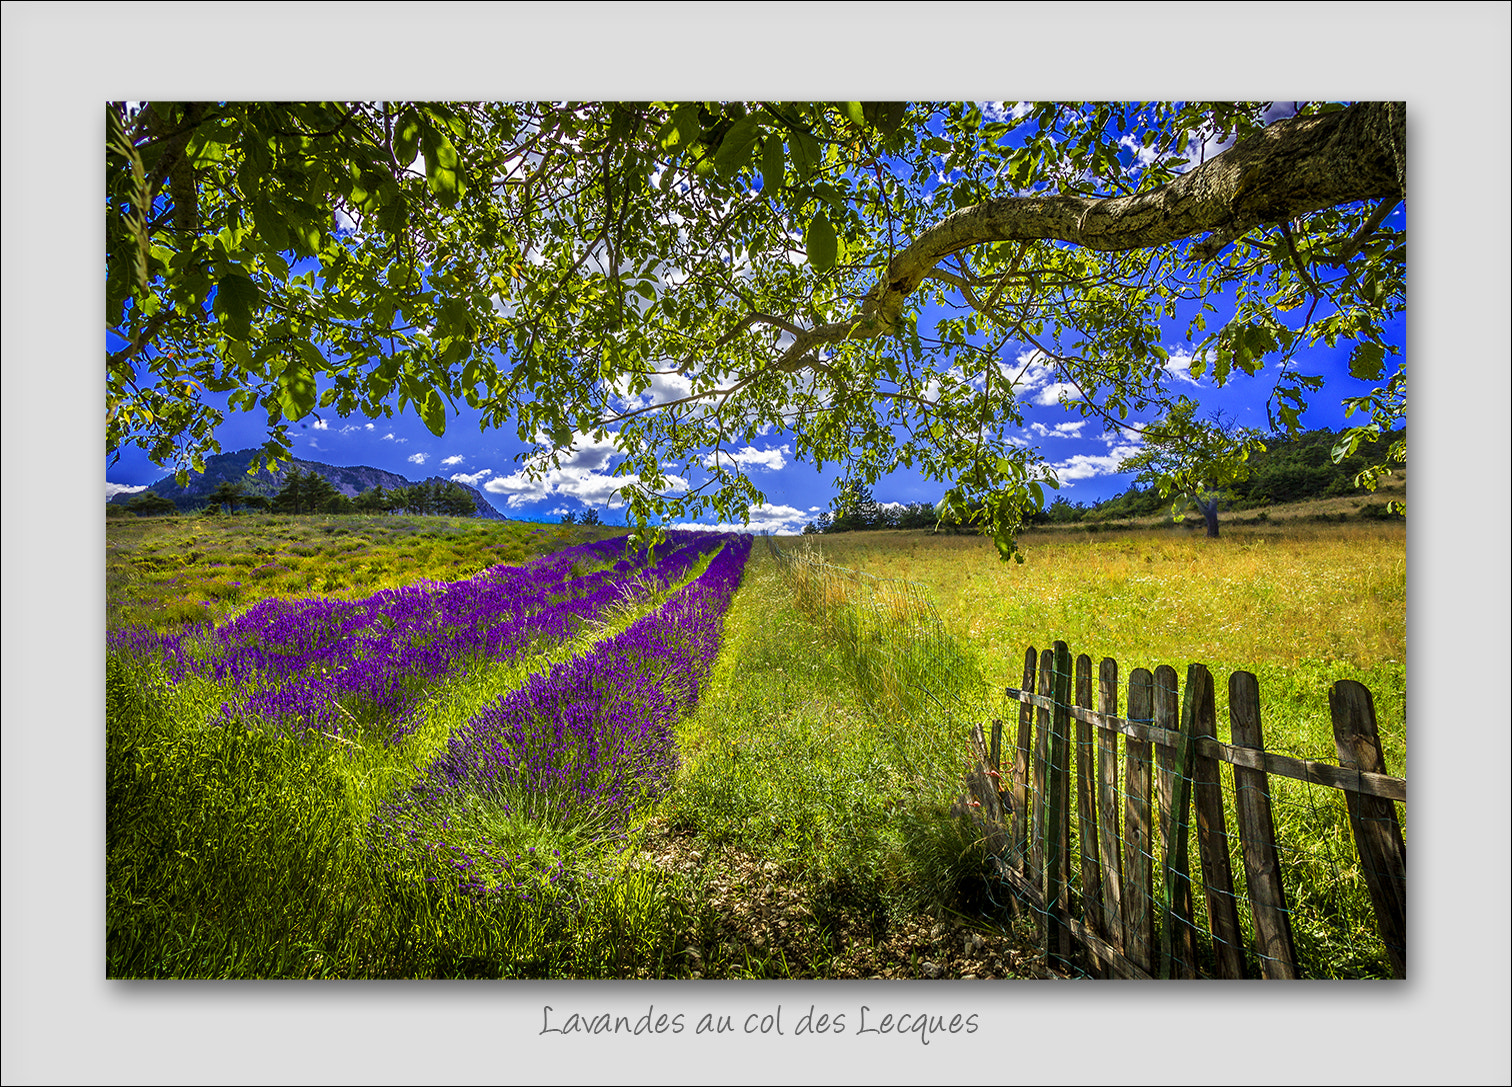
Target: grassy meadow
x=808, y=831
x=1300, y=604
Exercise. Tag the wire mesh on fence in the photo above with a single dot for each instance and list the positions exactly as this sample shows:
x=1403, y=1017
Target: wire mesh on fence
x=1272, y=889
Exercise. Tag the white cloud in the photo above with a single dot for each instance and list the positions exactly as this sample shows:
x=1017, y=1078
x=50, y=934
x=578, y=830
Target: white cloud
x=764, y=518
x=1051, y=394
x=751, y=457
x=471, y=480
x=587, y=486
x=113, y=489
x=1179, y=366
x=450, y=462
x=1085, y=466
x=389, y=437
x=320, y=424
x=417, y=458
x=1059, y=430
x=664, y=389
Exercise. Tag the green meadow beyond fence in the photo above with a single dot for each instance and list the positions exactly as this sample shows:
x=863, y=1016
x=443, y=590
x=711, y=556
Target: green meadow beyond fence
x=1089, y=818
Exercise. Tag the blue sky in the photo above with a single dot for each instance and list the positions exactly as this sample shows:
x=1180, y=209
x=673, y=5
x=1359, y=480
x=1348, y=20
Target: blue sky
x=1084, y=455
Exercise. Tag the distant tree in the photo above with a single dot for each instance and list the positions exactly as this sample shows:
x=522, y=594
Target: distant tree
x=591, y=517
x=857, y=509
x=917, y=515
x=372, y=500
x=1195, y=464
x=151, y=504
x=227, y=495
x=570, y=517
x=456, y=501
x=306, y=492
x=292, y=497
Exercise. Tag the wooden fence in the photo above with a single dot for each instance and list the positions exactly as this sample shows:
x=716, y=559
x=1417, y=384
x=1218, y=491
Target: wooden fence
x=1131, y=915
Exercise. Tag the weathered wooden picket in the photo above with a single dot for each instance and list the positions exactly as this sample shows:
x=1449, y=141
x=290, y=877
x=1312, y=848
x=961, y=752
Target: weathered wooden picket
x=1132, y=915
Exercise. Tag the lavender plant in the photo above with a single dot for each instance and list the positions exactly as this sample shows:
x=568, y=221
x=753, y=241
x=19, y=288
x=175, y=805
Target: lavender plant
x=328, y=664
x=578, y=747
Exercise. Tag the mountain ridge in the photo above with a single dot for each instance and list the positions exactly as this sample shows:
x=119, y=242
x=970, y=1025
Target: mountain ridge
x=232, y=468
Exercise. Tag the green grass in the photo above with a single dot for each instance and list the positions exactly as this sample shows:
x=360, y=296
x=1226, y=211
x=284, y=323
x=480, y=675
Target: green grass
x=1301, y=607
x=238, y=852
x=810, y=829
x=794, y=755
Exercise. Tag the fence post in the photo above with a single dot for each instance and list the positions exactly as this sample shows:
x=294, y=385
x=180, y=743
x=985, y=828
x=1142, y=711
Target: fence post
x=1139, y=840
x=1058, y=806
x=1257, y=835
x=1086, y=805
x=1199, y=718
x=1107, y=805
x=1377, y=833
x=1178, y=944
x=1041, y=763
x=1021, y=797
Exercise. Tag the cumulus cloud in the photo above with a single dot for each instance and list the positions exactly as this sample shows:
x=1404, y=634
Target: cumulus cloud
x=1052, y=394
x=664, y=389
x=1087, y=466
x=320, y=424
x=590, y=487
x=389, y=437
x=750, y=457
x=473, y=479
x=450, y=462
x=764, y=518
x=1179, y=366
x=1059, y=430
x=417, y=458
x=113, y=489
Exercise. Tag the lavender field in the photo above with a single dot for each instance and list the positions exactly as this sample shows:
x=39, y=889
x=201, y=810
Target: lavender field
x=584, y=761
x=303, y=788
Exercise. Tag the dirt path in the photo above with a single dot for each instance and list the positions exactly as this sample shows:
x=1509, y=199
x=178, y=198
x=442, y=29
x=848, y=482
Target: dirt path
x=751, y=913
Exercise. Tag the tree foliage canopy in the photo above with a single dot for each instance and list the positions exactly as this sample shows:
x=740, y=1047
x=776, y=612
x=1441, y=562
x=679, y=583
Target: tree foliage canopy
x=686, y=276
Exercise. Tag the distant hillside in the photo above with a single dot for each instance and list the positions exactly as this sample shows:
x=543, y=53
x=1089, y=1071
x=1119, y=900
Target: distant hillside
x=1289, y=471
x=232, y=468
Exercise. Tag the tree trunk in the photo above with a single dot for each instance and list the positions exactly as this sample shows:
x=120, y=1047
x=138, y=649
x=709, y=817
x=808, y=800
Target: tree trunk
x=1209, y=507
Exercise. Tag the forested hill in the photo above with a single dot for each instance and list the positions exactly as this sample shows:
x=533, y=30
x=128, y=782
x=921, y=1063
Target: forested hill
x=231, y=468
x=1295, y=470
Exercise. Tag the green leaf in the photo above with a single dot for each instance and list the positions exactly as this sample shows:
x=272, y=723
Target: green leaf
x=443, y=169
x=1367, y=361
x=735, y=151
x=820, y=243
x=433, y=410
x=236, y=299
x=296, y=391
x=685, y=120
x=807, y=155
x=406, y=139
x=772, y=164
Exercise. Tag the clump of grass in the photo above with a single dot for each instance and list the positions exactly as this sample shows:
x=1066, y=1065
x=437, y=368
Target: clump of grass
x=1300, y=607
x=789, y=758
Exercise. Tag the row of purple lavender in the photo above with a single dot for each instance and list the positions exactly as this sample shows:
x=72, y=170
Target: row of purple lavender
x=591, y=738
x=322, y=663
